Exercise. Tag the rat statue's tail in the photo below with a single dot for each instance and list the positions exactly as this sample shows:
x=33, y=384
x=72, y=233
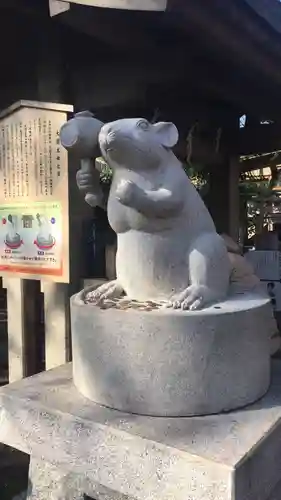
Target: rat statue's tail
x=242, y=274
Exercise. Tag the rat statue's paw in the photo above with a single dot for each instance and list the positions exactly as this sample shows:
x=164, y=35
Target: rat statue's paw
x=192, y=298
x=126, y=192
x=88, y=183
x=85, y=180
x=110, y=290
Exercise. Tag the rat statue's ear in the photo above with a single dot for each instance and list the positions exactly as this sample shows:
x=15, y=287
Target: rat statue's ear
x=167, y=133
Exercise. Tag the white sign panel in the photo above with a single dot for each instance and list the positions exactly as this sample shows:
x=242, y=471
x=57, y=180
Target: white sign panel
x=153, y=5
x=34, y=232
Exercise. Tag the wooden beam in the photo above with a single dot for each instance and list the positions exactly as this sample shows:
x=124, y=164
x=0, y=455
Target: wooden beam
x=157, y=39
x=246, y=20
x=224, y=36
x=22, y=326
x=223, y=197
x=121, y=29
x=255, y=140
x=270, y=12
x=153, y=39
x=25, y=7
x=240, y=42
x=260, y=162
x=228, y=43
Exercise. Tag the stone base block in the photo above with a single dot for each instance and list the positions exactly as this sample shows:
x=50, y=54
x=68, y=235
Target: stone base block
x=88, y=449
x=169, y=362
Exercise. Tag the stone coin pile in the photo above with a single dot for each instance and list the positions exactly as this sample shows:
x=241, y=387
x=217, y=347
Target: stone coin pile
x=125, y=303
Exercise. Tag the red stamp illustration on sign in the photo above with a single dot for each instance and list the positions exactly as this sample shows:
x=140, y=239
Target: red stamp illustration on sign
x=13, y=239
x=45, y=246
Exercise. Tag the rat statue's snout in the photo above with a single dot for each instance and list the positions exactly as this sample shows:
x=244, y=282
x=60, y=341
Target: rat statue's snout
x=120, y=137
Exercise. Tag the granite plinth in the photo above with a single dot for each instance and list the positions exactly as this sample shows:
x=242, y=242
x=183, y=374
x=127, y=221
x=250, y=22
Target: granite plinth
x=170, y=362
x=89, y=448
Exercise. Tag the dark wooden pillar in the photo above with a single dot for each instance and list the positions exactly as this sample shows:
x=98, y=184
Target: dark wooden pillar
x=223, y=197
x=50, y=67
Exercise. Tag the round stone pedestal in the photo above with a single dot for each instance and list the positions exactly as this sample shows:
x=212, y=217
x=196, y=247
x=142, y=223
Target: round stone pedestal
x=171, y=362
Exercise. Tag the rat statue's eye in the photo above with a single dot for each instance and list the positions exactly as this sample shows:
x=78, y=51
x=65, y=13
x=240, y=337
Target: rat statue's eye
x=143, y=124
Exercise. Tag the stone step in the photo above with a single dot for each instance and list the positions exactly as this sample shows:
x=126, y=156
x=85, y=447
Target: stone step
x=233, y=455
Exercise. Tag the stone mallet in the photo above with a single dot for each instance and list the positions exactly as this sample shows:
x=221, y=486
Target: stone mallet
x=80, y=136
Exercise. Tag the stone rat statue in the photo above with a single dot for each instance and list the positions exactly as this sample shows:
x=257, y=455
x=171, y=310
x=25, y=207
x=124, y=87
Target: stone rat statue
x=168, y=247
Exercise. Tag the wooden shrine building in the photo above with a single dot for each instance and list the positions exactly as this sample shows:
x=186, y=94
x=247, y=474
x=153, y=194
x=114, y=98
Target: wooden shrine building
x=201, y=64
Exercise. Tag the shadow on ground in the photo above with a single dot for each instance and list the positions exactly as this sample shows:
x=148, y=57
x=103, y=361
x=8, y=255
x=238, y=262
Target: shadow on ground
x=13, y=472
